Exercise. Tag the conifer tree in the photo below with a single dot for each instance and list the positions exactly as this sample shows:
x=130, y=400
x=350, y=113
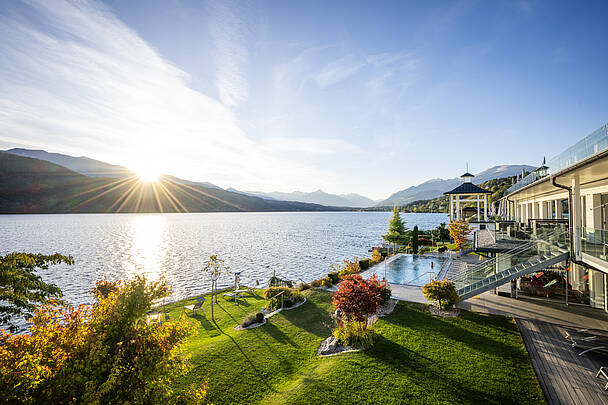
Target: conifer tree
x=415, y=240
x=396, y=234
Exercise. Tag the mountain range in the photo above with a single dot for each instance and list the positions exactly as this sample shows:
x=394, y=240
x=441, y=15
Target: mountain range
x=316, y=197
x=67, y=173
x=436, y=187
x=31, y=185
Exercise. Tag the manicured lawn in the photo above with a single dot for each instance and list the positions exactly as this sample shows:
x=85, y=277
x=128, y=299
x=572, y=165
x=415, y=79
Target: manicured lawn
x=419, y=358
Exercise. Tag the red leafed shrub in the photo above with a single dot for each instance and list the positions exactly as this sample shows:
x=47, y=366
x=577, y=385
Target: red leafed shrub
x=358, y=298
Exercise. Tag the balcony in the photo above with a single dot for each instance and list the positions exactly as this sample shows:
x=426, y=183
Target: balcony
x=593, y=143
x=594, y=242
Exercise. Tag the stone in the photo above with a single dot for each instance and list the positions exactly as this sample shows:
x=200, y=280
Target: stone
x=329, y=346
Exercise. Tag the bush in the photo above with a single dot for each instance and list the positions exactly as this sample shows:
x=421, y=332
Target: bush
x=303, y=286
x=442, y=249
x=297, y=297
x=442, y=293
x=249, y=320
x=259, y=317
x=100, y=354
x=326, y=282
x=376, y=256
x=271, y=292
x=385, y=293
x=350, y=267
x=365, y=263
x=287, y=302
x=358, y=298
x=355, y=334
x=334, y=277
x=316, y=283
x=277, y=282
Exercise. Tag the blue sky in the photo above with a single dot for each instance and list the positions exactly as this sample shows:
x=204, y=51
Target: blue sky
x=362, y=97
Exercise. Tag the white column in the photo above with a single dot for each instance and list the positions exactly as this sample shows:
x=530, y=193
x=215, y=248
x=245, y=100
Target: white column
x=575, y=212
x=451, y=207
x=478, y=212
x=458, y=206
x=485, y=207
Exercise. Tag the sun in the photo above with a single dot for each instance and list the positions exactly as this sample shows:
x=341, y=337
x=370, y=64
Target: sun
x=148, y=175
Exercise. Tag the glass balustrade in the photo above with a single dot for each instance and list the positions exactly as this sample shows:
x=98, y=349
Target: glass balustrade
x=593, y=143
x=594, y=242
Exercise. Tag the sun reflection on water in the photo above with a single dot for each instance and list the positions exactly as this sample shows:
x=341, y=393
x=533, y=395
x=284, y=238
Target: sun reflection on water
x=147, y=246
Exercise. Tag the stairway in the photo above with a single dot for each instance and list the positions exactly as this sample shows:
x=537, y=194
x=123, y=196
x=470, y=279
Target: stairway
x=541, y=251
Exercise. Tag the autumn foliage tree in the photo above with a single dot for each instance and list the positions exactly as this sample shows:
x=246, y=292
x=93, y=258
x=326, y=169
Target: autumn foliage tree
x=100, y=353
x=459, y=230
x=22, y=288
x=358, y=298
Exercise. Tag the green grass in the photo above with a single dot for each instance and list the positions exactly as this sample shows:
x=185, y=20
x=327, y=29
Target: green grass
x=419, y=358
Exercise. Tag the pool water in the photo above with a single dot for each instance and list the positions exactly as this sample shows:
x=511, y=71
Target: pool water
x=410, y=269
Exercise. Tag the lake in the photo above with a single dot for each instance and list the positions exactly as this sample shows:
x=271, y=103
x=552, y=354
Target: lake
x=297, y=245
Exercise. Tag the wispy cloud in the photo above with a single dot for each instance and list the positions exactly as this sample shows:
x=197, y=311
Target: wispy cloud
x=339, y=70
x=75, y=79
x=229, y=34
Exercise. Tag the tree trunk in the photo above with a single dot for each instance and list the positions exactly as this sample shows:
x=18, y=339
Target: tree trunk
x=212, y=291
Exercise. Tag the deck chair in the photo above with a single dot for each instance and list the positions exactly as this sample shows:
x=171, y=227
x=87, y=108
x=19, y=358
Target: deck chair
x=597, y=345
x=195, y=307
x=603, y=372
x=585, y=334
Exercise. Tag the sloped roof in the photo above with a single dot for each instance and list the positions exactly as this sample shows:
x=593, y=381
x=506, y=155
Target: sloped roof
x=467, y=174
x=468, y=188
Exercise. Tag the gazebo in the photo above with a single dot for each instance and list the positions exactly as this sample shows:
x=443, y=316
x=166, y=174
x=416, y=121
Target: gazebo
x=467, y=193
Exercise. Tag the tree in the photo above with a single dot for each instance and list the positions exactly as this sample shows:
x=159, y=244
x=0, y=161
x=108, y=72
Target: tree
x=358, y=298
x=215, y=267
x=376, y=256
x=100, y=353
x=415, y=240
x=396, y=230
x=459, y=231
x=442, y=293
x=21, y=289
x=441, y=233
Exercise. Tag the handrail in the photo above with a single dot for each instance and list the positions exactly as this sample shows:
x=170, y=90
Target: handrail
x=443, y=266
x=416, y=278
x=486, y=265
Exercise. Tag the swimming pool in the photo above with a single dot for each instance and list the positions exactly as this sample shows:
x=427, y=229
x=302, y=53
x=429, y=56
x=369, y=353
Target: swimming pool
x=410, y=269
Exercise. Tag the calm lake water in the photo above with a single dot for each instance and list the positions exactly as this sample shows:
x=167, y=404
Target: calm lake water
x=298, y=246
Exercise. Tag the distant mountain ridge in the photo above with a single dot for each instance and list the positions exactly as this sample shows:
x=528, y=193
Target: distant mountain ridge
x=351, y=200
x=29, y=185
x=91, y=167
x=436, y=187
x=83, y=165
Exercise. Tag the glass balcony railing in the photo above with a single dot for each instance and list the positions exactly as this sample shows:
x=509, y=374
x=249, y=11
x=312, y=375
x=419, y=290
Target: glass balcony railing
x=593, y=143
x=594, y=242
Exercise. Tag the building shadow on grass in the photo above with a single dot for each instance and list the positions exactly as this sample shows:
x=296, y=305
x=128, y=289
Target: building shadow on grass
x=416, y=317
x=437, y=379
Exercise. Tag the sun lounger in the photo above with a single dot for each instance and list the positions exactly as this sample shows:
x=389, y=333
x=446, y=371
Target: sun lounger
x=604, y=373
x=597, y=345
x=195, y=307
x=585, y=334
x=154, y=317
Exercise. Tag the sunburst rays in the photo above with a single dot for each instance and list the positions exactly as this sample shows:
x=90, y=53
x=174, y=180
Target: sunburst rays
x=134, y=195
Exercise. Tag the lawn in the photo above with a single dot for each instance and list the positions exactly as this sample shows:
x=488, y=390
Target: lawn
x=419, y=358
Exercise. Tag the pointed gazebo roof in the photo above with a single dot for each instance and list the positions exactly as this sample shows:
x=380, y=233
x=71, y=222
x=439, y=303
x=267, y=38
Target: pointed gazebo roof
x=468, y=188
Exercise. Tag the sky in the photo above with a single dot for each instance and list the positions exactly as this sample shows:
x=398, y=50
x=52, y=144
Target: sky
x=343, y=96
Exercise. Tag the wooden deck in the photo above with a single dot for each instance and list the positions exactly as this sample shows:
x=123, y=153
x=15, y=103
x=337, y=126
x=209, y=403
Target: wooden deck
x=564, y=377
